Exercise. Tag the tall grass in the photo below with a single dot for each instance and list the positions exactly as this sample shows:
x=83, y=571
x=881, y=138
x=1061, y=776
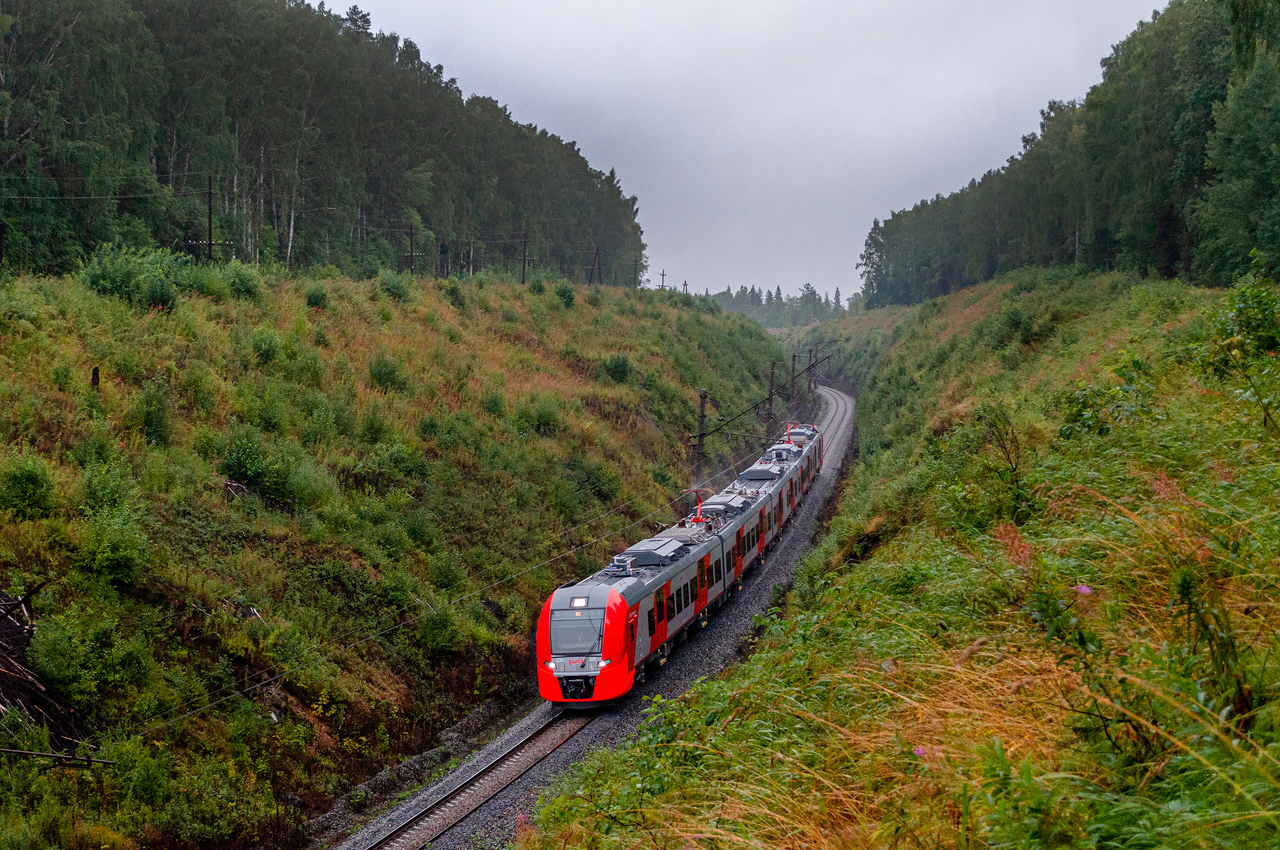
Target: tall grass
x=271, y=468
x=1069, y=643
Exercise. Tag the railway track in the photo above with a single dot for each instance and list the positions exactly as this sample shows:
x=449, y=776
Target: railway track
x=438, y=817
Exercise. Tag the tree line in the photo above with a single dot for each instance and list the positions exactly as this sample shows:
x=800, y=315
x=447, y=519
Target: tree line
x=325, y=142
x=1167, y=167
x=774, y=310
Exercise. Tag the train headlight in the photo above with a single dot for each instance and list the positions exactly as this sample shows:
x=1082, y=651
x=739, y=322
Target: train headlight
x=604, y=662
x=550, y=665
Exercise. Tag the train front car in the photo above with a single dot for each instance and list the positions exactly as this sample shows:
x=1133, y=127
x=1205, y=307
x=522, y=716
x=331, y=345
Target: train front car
x=582, y=646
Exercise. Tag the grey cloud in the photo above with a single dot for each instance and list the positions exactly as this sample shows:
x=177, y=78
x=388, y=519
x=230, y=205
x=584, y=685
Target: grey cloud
x=763, y=137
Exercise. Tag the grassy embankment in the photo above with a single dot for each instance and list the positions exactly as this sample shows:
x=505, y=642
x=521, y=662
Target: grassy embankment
x=402, y=452
x=1045, y=616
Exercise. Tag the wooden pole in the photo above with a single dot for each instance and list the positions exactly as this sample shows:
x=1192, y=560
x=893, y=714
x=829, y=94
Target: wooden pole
x=209, y=222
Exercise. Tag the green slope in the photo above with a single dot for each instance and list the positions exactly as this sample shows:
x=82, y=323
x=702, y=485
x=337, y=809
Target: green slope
x=275, y=470
x=1044, y=616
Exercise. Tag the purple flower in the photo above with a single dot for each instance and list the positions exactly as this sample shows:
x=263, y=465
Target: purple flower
x=1083, y=589
x=919, y=751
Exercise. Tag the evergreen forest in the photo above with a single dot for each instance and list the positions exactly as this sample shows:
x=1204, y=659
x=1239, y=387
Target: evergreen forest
x=774, y=310
x=1167, y=167
x=313, y=139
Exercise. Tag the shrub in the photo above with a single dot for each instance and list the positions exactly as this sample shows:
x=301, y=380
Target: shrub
x=494, y=405
x=595, y=477
x=375, y=427
x=26, y=488
x=442, y=633
x=454, y=294
x=116, y=547
x=317, y=297
x=395, y=286
x=62, y=377
x=385, y=373
x=593, y=296
x=106, y=486
x=151, y=412
x=247, y=461
x=540, y=415
x=565, y=293
x=206, y=279
x=617, y=368
x=144, y=277
x=243, y=281
x=536, y=286
x=266, y=345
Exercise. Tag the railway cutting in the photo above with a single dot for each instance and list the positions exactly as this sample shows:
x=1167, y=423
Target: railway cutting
x=479, y=803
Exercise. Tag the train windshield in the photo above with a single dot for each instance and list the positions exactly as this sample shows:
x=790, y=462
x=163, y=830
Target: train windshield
x=577, y=632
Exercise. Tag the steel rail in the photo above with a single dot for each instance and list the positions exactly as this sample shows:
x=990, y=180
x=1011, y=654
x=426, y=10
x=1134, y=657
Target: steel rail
x=438, y=817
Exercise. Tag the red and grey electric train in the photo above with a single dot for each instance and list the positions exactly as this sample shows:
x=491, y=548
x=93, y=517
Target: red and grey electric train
x=597, y=637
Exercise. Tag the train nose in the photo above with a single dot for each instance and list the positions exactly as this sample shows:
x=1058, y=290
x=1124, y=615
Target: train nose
x=577, y=687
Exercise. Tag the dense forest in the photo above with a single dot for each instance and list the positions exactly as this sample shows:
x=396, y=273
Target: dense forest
x=774, y=310
x=1167, y=167
x=323, y=141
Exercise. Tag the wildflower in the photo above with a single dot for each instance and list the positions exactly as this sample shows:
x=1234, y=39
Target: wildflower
x=919, y=751
x=1083, y=589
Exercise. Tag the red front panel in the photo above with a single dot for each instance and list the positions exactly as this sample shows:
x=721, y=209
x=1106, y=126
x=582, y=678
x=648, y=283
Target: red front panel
x=611, y=682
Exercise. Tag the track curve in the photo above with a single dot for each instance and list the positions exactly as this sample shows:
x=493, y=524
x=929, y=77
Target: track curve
x=491, y=821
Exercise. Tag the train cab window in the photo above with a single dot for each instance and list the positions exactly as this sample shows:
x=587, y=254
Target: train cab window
x=631, y=633
x=653, y=621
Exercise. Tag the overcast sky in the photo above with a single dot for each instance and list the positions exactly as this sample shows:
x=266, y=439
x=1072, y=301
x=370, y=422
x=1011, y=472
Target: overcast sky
x=763, y=137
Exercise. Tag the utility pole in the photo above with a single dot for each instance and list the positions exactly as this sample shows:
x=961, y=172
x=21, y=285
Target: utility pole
x=524, y=256
x=635, y=276
x=768, y=433
x=663, y=285
x=686, y=287
x=210, y=221
x=702, y=430
x=791, y=393
x=412, y=259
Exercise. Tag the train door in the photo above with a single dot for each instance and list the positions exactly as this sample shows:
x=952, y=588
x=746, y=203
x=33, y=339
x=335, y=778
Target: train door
x=791, y=493
x=658, y=620
x=704, y=584
x=632, y=619
x=738, y=548
x=763, y=526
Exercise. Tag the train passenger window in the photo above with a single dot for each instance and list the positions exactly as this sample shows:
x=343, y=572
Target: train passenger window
x=653, y=621
x=719, y=571
x=679, y=600
x=688, y=597
x=671, y=607
x=632, y=632
x=660, y=606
